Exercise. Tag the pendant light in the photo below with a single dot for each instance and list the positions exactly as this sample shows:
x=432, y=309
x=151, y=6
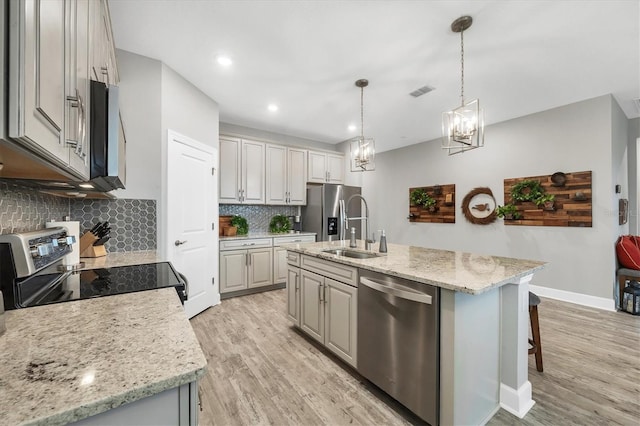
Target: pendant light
x=363, y=150
x=463, y=127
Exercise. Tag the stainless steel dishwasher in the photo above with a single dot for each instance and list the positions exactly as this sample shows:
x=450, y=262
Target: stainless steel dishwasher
x=399, y=340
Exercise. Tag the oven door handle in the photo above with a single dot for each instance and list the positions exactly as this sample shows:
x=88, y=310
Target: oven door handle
x=45, y=291
x=397, y=290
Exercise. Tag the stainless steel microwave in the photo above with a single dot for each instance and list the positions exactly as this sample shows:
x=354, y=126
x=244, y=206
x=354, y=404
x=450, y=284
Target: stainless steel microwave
x=107, y=140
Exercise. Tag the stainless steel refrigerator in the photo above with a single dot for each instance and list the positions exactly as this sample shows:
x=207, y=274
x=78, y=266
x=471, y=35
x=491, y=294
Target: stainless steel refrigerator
x=324, y=212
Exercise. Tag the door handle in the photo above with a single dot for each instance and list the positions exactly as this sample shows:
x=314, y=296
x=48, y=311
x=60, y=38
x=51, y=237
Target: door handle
x=179, y=243
x=403, y=293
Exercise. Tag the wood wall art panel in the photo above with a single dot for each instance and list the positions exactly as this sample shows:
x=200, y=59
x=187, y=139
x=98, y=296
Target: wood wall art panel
x=570, y=208
x=445, y=196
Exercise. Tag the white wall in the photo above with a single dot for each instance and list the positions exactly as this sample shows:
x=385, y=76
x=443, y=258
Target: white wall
x=572, y=138
x=140, y=79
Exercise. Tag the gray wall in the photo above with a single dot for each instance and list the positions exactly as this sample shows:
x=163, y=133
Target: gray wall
x=189, y=112
x=633, y=153
x=576, y=137
x=155, y=99
x=232, y=129
x=140, y=104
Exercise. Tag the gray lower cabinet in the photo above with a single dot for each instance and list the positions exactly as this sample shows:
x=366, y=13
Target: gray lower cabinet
x=177, y=406
x=327, y=309
x=244, y=269
x=293, y=294
x=280, y=260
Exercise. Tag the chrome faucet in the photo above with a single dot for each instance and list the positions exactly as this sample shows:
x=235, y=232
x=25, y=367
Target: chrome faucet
x=367, y=241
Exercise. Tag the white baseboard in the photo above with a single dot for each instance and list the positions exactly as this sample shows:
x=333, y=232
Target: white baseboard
x=517, y=402
x=577, y=298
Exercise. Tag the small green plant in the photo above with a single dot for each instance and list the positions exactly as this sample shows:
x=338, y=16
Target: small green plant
x=546, y=198
x=279, y=224
x=240, y=223
x=419, y=197
x=508, y=211
x=527, y=190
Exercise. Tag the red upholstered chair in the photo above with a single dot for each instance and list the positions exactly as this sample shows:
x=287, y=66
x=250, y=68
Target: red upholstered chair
x=628, y=262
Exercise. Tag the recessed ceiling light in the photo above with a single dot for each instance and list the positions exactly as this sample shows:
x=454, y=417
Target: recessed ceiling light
x=86, y=185
x=223, y=60
x=352, y=127
x=272, y=107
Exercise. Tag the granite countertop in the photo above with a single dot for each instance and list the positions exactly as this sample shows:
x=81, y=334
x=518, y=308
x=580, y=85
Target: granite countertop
x=266, y=235
x=454, y=270
x=63, y=362
x=127, y=258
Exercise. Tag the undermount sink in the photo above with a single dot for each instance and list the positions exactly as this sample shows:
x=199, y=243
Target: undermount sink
x=351, y=253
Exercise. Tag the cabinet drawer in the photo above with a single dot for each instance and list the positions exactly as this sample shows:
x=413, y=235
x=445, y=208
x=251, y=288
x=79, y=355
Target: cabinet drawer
x=294, y=239
x=337, y=271
x=244, y=243
x=293, y=258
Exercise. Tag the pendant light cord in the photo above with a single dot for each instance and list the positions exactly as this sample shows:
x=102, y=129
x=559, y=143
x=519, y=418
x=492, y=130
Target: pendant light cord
x=462, y=67
x=362, y=114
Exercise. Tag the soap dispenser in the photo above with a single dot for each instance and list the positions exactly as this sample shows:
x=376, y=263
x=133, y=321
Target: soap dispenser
x=352, y=241
x=383, y=242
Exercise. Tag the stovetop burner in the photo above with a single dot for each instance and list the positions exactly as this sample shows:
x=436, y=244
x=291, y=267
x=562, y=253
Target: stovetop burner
x=49, y=284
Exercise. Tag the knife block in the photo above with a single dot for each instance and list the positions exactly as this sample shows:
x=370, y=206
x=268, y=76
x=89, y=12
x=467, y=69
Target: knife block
x=87, y=249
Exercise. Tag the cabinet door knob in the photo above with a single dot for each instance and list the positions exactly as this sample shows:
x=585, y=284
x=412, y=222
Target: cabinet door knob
x=178, y=242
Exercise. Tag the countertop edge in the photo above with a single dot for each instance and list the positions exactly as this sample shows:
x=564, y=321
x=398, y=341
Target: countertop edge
x=513, y=279
x=115, y=401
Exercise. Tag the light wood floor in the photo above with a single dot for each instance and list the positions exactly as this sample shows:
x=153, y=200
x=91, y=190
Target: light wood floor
x=262, y=371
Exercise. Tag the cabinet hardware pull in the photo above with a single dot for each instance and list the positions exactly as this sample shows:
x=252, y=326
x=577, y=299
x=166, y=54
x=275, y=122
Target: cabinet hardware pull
x=297, y=285
x=77, y=144
x=324, y=294
x=319, y=293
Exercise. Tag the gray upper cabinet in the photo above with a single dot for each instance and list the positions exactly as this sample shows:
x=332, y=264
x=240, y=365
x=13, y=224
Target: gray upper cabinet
x=103, y=59
x=37, y=77
x=77, y=86
x=52, y=56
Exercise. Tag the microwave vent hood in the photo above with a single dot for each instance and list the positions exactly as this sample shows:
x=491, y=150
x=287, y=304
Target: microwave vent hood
x=108, y=143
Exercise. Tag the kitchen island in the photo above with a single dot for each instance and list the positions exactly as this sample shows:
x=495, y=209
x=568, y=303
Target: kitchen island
x=483, y=318
x=122, y=359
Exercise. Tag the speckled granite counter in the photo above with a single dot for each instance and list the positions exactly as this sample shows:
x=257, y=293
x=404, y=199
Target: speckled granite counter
x=266, y=235
x=453, y=270
x=64, y=362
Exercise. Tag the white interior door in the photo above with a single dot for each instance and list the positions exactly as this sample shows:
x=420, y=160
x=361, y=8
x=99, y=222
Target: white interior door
x=192, y=215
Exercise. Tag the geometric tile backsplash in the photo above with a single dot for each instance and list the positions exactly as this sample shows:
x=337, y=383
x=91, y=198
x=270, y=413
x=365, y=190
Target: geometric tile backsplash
x=133, y=222
x=258, y=217
x=24, y=209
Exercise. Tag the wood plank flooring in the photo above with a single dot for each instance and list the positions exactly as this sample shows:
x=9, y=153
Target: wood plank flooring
x=262, y=371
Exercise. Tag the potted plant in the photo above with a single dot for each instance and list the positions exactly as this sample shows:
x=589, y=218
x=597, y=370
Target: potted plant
x=240, y=223
x=279, y=224
x=546, y=201
x=508, y=212
x=527, y=190
x=429, y=203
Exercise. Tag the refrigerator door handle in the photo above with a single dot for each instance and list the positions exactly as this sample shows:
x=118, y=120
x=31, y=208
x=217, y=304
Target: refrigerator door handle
x=342, y=219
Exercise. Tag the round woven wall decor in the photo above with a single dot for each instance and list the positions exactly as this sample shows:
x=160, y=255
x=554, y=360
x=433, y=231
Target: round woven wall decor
x=479, y=206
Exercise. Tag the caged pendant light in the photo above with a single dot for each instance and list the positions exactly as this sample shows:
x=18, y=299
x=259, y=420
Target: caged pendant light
x=463, y=127
x=363, y=150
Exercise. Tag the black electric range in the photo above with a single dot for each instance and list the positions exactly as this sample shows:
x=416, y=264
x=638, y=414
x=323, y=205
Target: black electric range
x=32, y=274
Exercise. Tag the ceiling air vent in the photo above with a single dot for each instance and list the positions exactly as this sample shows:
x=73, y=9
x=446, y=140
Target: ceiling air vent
x=421, y=91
